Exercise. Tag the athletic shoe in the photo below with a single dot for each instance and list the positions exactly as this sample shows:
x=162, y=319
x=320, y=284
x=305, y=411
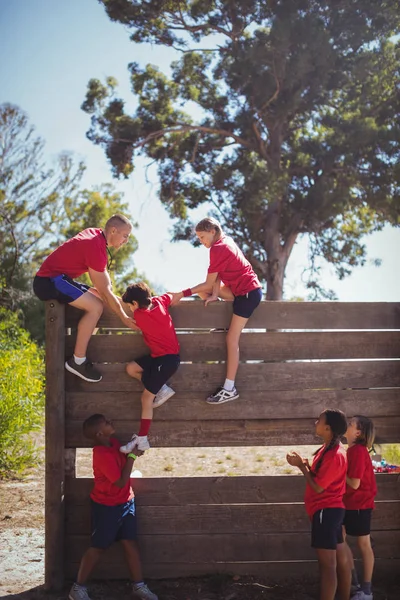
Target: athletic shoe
x=354, y=589
x=163, y=395
x=221, y=395
x=140, y=441
x=360, y=595
x=78, y=592
x=85, y=371
x=143, y=592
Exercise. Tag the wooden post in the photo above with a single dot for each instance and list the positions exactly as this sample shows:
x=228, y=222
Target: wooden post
x=55, y=444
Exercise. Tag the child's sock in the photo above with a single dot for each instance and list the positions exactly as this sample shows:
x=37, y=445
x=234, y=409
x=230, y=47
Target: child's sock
x=354, y=578
x=79, y=361
x=366, y=587
x=144, y=427
x=229, y=384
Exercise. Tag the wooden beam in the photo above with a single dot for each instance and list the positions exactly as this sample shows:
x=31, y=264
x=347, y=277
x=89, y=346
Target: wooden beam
x=55, y=444
x=190, y=406
x=181, y=491
x=275, y=315
x=262, y=377
x=270, y=346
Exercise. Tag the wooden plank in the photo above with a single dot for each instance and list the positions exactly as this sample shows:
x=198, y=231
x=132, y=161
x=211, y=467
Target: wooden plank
x=272, y=346
x=257, y=432
x=263, y=377
x=175, y=548
x=178, y=491
x=55, y=444
x=275, y=315
x=190, y=406
x=226, y=518
x=266, y=572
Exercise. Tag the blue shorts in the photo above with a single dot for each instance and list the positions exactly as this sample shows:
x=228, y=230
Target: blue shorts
x=358, y=522
x=326, y=529
x=244, y=306
x=157, y=370
x=61, y=288
x=112, y=523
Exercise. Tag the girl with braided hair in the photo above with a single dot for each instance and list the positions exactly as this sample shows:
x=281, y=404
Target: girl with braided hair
x=325, y=487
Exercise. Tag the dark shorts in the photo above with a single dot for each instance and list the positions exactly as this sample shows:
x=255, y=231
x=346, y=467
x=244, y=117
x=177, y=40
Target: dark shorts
x=61, y=288
x=326, y=528
x=358, y=522
x=112, y=523
x=244, y=306
x=157, y=370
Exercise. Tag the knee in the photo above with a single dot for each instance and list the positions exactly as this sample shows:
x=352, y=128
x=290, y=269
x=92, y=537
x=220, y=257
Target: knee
x=232, y=340
x=130, y=370
x=364, y=543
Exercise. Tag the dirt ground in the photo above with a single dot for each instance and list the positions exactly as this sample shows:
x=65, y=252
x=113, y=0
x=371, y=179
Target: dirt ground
x=22, y=531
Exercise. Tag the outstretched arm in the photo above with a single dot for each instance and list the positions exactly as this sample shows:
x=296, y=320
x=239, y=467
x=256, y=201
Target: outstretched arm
x=206, y=286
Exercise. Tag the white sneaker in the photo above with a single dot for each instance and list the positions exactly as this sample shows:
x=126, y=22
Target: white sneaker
x=164, y=394
x=221, y=395
x=78, y=592
x=140, y=441
x=360, y=595
x=143, y=592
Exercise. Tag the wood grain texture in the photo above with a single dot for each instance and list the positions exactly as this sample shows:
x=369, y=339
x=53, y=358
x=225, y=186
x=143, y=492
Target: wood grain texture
x=261, y=377
x=271, y=346
x=226, y=518
x=240, y=547
x=274, y=432
x=270, y=572
x=275, y=315
x=190, y=406
x=181, y=491
x=55, y=444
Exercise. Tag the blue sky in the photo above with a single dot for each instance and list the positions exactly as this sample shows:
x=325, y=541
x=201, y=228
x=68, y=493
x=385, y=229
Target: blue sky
x=49, y=50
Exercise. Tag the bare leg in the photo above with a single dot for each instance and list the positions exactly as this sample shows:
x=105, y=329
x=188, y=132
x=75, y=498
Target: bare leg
x=232, y=345
x=367, y=555
x=134, y=370
x=343, y=571
x=133, y=559
x=147, y=404
x=88, y=562
x=93, y=308
x=327, y=574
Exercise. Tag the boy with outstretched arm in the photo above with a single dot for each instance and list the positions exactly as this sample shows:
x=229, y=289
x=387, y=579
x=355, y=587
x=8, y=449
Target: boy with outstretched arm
x=112, y=508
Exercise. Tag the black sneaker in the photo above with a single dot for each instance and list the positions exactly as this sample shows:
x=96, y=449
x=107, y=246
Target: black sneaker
x=85, y=371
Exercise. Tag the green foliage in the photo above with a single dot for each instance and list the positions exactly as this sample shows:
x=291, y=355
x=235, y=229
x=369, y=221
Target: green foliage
x=296, y=128
x=391, y=453
x=21, y=396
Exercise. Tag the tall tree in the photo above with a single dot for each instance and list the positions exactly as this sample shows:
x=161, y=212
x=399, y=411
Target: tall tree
x=31, y=200
x=296, y=129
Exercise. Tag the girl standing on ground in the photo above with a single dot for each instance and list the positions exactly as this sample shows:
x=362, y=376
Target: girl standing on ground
x=359, y=500
x=240, y=284
x=325, y=487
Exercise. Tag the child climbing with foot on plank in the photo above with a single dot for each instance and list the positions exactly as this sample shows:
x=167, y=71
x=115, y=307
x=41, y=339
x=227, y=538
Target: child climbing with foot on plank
x=152, y=316
x=325, y=487
x=112, y=508
x=359, y=501
x=240, y=284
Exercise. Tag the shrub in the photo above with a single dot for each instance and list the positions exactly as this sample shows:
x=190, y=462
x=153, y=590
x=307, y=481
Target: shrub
x=21, y=396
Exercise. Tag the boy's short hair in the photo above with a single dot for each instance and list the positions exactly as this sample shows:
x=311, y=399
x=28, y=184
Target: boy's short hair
x=92, y=425
x=117, y=221
x=138, y=292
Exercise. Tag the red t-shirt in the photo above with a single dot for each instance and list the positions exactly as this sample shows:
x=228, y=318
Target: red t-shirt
x=75, y=256
x=331, y=476
x=233, y=268
x=157, y=327
x=359, y=466
x=108, y=463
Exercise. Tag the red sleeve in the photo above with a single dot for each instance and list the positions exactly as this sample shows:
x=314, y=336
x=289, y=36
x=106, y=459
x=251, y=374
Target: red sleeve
x=106, y=464
x=164, y=300
x=96, y=259
x=218, y=258
x=356, y=462
x=327, y=471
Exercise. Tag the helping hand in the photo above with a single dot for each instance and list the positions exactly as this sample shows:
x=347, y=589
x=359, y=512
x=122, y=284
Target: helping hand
x=176, y=297
x=131, y=323
x=210, y=299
